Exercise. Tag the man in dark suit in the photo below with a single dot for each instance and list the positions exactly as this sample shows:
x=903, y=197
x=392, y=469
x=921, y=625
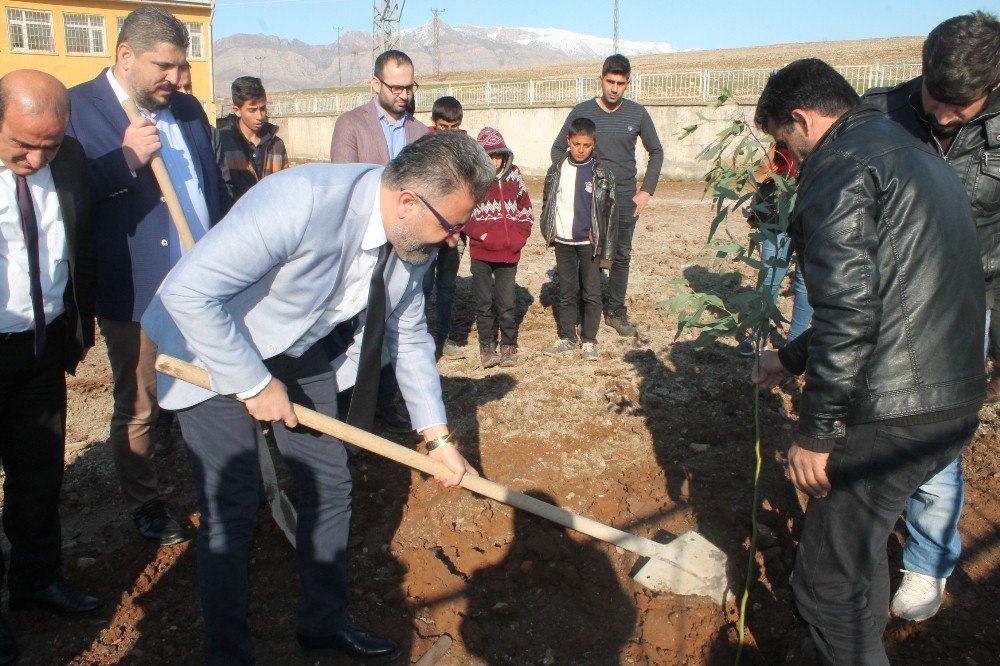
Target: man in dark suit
x=46, y=326
x=136, y=242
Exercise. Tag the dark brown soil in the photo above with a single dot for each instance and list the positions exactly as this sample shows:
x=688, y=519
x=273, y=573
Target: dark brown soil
x=656, y=438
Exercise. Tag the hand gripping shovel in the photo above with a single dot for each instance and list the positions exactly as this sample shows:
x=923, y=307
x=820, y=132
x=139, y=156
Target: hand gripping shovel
x=687, y=565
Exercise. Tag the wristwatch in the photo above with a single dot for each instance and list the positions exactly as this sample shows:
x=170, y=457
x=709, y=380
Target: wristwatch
x=440, y=441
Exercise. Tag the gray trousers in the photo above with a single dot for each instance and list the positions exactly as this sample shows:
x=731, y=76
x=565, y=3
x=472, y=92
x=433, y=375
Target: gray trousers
x=221, y=440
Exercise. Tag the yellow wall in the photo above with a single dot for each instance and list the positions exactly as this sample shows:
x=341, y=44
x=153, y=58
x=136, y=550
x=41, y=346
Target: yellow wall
x=72, y=68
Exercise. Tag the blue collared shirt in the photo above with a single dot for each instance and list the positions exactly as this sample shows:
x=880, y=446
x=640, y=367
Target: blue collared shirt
x=395, y=134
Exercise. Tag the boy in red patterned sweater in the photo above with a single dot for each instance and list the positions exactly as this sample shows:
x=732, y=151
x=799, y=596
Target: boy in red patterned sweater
x=499, y=228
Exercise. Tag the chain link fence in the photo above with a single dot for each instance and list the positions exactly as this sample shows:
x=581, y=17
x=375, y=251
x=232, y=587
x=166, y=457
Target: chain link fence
x=743, y=84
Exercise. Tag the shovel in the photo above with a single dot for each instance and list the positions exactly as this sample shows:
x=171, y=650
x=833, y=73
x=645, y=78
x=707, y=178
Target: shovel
x=687, y=565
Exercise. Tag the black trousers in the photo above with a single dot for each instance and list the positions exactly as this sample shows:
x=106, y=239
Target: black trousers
x=841, y=581
x=579, y=271
x=221, y=440
x=494, y=287
x=33, y=413
x=620, y=265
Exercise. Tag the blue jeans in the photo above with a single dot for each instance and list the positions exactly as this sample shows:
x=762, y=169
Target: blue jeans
x=802, y=312
x=932, y=515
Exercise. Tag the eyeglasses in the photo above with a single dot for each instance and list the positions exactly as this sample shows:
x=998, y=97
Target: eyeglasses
x=452, y=229
x=398, y=90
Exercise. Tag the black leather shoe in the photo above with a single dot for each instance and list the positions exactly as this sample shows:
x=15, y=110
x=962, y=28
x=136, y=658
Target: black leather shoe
x=156, y=525
x=357, y=645
x=8, y=646
x=57, y=598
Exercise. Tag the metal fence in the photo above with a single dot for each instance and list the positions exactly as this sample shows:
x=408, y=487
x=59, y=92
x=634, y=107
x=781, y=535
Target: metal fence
x=744, y=84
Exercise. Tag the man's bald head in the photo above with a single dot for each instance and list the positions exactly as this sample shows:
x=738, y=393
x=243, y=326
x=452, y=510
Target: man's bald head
x=34, y=113
x=33, y=93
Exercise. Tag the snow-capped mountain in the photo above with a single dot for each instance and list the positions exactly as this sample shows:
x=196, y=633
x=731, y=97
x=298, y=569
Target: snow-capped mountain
x=295, y=65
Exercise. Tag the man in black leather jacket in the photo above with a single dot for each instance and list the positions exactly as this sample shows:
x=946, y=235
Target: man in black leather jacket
x=893, y=359
x=954, y=108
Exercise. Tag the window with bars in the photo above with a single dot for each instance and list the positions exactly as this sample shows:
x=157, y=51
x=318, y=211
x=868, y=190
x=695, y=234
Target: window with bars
x=29, y=30
x=197, y=47
x=120, y=20
x=85, y=34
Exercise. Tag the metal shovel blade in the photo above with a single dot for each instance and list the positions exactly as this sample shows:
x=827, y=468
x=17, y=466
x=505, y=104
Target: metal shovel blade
x=689, y=564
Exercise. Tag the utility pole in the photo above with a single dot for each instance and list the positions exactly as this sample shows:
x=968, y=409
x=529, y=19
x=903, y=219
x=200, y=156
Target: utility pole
x=386, y=17
x=340, y=78
x=260, y=66
x=437, y=41
x=615, y=45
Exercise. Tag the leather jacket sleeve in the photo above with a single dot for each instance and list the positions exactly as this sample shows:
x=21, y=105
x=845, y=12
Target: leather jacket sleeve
x=835, y=216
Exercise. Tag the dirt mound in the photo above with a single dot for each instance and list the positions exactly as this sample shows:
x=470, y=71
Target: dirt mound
x=655, y=438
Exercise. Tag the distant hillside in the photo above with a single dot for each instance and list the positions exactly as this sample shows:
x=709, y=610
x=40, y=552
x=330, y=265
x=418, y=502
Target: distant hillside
x=292, y=65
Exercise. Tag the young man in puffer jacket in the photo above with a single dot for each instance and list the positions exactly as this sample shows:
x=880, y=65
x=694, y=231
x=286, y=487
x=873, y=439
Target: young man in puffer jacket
x=499, y=228
x=580, y=218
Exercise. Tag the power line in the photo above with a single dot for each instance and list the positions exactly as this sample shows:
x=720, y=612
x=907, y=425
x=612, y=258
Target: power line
x=340, y=78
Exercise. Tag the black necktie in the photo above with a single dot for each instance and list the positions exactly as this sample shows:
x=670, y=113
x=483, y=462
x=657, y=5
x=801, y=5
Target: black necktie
x=30, y=228
x=362, y=410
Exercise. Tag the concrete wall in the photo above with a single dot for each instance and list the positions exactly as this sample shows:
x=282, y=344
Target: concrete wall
x=529, y=132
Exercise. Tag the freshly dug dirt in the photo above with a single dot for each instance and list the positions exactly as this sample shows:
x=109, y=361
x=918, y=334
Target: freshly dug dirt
x=656, y=438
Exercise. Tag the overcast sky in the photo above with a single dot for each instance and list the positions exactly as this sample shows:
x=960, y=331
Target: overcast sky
x=708, y=24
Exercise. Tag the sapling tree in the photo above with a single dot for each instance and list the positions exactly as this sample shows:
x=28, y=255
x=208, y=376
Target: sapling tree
x=741, y=160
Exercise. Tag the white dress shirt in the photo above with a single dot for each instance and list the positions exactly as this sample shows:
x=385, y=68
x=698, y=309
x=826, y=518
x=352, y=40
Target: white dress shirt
x=350, y=297
x=53, y=256
x=184, y=172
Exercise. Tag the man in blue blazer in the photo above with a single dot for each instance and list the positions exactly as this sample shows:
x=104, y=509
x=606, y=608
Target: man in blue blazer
x=135, y=240
x=254, y=302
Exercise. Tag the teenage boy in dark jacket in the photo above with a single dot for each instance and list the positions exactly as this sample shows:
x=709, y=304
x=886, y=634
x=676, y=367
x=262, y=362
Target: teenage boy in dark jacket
x=580, y=218
x=249, y=146
x=893, y=359
x=499, y=228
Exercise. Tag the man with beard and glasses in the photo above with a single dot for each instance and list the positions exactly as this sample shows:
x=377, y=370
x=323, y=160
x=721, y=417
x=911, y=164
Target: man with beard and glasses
x=954, y=108
x=135, y=240
x=375, y=133
x=253, y=303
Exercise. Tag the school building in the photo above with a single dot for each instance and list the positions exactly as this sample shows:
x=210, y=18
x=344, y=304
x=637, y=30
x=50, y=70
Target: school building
x=75, y=39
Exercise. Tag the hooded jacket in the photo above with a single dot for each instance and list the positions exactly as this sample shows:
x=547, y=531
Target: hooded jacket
x=505, y=215
x=235, y=155
x=604, y=209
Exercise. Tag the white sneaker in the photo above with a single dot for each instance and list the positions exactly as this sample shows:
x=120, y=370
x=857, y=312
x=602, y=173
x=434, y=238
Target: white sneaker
x=918, y=597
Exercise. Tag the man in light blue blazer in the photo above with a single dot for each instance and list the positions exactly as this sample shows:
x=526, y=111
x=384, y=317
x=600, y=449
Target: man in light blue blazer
x=253, y=303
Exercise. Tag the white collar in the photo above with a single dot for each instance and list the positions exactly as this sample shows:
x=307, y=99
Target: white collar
x=375, y=231
x=122, y=95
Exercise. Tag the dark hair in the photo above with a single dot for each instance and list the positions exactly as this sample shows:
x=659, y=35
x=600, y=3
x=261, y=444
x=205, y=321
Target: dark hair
x=446, y=108
x=438, y=164
x=617, y=64
x=582, y=127
x=397, y=57
x=961, y=58
x=808, y=83
x=146, y=27
x=247, y=88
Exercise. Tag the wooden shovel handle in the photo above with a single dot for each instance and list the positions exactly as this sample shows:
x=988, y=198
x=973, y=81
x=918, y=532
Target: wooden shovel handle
x=166, y=186
x=383, y=447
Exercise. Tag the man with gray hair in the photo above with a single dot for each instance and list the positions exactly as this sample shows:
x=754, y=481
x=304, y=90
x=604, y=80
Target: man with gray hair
x=254, y=303
x=136, y=242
